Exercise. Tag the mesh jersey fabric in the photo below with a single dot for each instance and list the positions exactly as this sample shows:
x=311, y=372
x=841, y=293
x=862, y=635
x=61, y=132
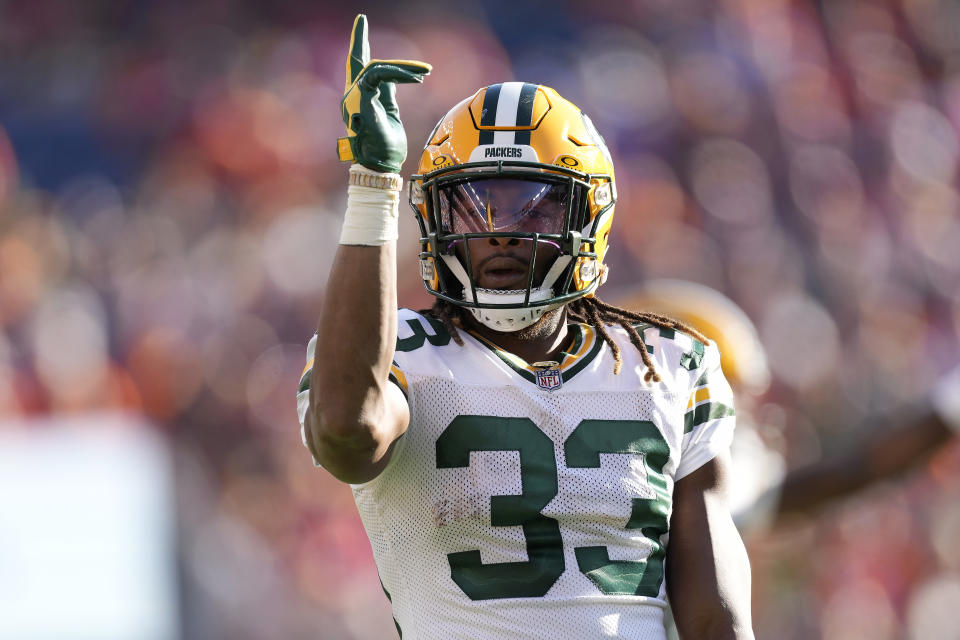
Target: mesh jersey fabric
x=512, y=510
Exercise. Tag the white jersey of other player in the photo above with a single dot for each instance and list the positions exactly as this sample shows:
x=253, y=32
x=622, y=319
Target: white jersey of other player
x=527, y=502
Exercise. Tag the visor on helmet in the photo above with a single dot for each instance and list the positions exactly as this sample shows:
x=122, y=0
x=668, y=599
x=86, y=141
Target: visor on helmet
x=491, y=205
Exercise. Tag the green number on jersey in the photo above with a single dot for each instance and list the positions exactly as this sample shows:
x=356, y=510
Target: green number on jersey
x=582, y=450
x=538, y=477
x=439, y=339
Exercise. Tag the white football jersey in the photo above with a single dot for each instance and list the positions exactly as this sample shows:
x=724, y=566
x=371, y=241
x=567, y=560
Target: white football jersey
x=535, y=503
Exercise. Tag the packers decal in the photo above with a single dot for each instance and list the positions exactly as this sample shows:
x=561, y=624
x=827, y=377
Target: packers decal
x=488, y=152
x=568, y=162
x=502, y=152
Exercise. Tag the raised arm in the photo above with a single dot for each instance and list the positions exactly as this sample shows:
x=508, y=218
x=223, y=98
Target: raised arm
x=708, y=574
x=906, y=440
x=355, y=414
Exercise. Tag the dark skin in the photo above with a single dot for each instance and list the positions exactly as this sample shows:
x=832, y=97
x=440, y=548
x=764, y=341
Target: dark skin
x=707, y=570
x=352, y=430
x=503, y=263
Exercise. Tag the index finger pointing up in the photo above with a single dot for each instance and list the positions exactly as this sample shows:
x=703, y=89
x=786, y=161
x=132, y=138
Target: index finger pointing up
x=359, y=54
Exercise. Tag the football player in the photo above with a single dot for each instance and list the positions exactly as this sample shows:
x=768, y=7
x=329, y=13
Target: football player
x=763, y=491
x=528, y=461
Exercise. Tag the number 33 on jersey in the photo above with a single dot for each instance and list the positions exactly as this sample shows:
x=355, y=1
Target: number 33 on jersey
x=523, y=511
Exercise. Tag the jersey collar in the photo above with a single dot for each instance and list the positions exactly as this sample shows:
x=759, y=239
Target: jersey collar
x=584, y=347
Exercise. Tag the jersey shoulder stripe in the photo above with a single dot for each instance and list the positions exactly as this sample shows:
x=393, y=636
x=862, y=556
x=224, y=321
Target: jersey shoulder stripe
x=305, y=375
x=398, y=378
x=710, y=395
x=304, y=384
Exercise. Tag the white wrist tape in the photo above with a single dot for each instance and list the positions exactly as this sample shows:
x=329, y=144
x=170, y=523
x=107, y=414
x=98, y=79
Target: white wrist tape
x=372, y=211
x=946, y=400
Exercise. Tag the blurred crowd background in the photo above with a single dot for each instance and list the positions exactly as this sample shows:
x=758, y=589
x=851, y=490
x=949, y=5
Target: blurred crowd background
x=170, y=202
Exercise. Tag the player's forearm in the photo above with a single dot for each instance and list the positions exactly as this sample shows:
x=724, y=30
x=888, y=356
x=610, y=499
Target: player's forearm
x=729, y=614
x=710, y=593
x=357, y=334
x=708, y=573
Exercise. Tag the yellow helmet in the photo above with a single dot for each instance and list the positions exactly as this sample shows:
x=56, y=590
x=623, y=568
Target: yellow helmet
x=514, y=161
x=742, y=356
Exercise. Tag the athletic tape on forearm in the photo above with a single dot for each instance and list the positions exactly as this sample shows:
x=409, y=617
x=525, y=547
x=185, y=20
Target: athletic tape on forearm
x=946, y=399
x=372, y=211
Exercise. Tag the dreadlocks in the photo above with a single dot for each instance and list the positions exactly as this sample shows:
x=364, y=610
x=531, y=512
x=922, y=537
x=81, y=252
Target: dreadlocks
x=595, y=313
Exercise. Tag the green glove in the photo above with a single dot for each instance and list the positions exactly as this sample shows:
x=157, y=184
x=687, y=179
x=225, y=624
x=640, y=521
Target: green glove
x=375, y=136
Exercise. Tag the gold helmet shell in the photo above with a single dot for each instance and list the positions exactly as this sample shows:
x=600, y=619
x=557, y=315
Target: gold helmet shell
x=517, y=131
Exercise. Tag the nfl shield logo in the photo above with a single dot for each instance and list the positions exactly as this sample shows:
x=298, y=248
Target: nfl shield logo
x=549, y=379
